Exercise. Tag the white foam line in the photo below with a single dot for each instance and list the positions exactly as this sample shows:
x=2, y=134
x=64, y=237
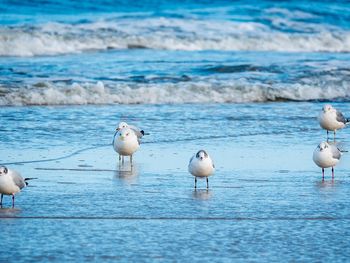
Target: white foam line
x=171, y=34
x=170, y=93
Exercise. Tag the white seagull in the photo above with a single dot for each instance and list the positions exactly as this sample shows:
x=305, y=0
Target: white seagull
x=139, y=133
x=331, y=119
x=326, y=155
x=125, y=143
x=11, y=183
x=201, y=165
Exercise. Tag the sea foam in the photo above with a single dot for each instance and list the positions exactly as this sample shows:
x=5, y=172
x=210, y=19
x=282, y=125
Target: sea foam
x=170, y=34
x=199, y=92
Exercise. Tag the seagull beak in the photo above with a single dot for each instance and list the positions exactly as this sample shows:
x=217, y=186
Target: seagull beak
x=121, y=138
x=201, y=158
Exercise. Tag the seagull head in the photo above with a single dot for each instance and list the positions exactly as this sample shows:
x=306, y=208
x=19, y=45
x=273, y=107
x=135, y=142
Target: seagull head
x=201, y=155
x=322, y=146
x=125, y=134
x=327, y=108
x=122, y=125
x=3, y=170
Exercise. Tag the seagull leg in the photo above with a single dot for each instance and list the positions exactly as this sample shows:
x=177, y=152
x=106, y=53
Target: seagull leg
x=195, y=183
x=327, y=135
x=123, y=159
x=334, y=136
x=131, y=160
x=13, y=200
x=207, y=183
x=120, y=158
x=1, y=199
x=332, y=172
x=322, y=174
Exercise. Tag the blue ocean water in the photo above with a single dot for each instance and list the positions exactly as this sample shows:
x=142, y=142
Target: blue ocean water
x=243, y=80
x=102, y=52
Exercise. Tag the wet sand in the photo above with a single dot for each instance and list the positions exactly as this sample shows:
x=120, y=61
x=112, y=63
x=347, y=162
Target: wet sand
x=266, y=202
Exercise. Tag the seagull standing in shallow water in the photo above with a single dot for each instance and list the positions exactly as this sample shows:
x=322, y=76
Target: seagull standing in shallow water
x=331, y=119
x=11, y=183
x=326, y=155
x=126, y=143
x=201, y=165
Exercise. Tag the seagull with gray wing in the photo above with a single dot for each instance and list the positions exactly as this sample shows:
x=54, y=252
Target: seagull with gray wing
x=126, y=143
x=331, y=119
x=202, y=166
x=11, y=183
x=326, y=155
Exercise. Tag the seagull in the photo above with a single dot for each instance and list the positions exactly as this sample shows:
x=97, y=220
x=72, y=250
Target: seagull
x=331, y=119
x=126, y=142
x=139, y=133
x=326, y=155
x=11, y=183
x=201, y=165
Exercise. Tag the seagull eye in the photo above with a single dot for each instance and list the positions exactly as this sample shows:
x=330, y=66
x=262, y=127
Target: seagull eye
x=127, y=134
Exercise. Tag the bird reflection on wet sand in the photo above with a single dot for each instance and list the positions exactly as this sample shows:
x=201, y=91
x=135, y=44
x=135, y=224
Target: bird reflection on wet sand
x=203, y=194
x=8, y=211
x=327, y=184
x=126, y=173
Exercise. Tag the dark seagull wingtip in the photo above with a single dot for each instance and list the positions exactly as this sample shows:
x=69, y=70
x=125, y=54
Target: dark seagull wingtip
x=28, y=178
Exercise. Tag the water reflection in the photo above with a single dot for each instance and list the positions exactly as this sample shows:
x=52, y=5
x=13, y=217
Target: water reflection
x=204, y=194
x=9, y=211
x=326, y=184
x=127, y=173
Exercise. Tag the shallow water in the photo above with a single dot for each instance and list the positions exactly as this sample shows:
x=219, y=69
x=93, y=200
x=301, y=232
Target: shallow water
x=266, y=199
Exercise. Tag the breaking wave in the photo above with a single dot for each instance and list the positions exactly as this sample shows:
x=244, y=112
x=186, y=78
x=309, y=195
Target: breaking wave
x=168, y=34
x=173, y=93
